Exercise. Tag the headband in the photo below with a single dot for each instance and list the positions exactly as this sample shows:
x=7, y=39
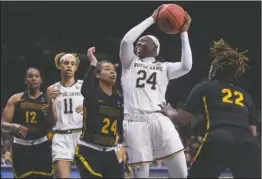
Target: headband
x=67, y=56
x=156, y=41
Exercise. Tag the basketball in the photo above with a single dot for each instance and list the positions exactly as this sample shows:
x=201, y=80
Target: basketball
x=171, y=18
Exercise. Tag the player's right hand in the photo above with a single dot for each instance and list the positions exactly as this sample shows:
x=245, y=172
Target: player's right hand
x=91, y=56
x=187, y=23
x=55, y=93
x=21, y=131
x=155, y=13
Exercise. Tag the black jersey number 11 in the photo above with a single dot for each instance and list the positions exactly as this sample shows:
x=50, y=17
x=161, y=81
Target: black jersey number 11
x=68, y=105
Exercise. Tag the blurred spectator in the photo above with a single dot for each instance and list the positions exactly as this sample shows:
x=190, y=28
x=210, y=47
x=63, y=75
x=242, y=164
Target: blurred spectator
x=6, y=159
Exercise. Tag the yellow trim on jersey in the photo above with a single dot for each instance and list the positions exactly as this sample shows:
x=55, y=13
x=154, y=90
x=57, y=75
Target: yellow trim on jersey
x=85, y=163
x=33, y=172
x=204, y=100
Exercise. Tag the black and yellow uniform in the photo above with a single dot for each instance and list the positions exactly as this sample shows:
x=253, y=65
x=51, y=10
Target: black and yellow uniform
x=32, y=155
x=102, y=123
x=228, y=143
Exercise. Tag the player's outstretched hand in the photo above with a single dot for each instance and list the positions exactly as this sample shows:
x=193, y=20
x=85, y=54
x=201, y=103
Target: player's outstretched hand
x=91, y=56
x=155, y=13
x=187, y=23
x=79, y=109
x=166, y=109
x=21, y=131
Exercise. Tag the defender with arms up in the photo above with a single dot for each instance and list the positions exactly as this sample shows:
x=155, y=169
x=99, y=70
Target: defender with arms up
x=149, y=135
x=103, y=115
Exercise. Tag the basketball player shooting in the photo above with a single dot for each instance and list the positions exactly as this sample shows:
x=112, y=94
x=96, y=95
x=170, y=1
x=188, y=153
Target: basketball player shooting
x=149, y=135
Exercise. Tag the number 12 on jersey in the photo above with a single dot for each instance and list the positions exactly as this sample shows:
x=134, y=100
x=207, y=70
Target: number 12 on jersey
x=142, y=80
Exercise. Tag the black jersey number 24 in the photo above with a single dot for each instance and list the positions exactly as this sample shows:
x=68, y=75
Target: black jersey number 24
x=68, y=106
x=143, y=79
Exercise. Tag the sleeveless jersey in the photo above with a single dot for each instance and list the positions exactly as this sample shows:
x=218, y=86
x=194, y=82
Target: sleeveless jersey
x=65, y=105
x=144, y=86
x=28, y=112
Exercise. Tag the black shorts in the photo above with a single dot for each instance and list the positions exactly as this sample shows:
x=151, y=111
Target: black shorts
x=93, y=163
x=33, y=160
x=227, y=147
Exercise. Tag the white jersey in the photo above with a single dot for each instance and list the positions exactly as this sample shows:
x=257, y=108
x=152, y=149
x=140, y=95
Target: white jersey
x=65, y=105
x=144, y=86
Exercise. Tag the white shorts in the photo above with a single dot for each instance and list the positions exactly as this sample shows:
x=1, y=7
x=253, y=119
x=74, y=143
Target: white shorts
x=63, y=146
x=155, y=139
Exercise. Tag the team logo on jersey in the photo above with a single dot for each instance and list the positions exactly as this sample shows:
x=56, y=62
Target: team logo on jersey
x=119, y=104
x=42, y=99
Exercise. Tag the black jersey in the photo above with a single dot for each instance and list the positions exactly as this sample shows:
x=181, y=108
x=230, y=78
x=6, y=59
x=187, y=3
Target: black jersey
x=222, y=104
x=29, y=114
x=103, y=114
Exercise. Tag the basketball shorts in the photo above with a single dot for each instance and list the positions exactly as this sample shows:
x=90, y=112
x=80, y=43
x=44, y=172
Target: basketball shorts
x=227, y=147
x=150, y=137
x=63, y=146
x=29, y=160
x=97, y=162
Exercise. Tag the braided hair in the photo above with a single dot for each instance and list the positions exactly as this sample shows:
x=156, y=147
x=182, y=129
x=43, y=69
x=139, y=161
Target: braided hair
x=228, y=63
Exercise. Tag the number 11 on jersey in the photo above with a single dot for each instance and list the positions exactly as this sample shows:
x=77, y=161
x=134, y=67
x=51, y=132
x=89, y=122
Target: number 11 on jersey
x=68, y=106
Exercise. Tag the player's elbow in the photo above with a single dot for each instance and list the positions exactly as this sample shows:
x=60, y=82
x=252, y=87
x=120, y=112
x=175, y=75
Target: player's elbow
x=186, y=67
x=124, y=44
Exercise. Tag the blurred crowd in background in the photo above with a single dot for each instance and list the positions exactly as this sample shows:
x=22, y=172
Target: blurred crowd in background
x=34, y=33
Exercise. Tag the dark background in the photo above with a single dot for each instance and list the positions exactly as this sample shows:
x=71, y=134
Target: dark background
x=33, y=32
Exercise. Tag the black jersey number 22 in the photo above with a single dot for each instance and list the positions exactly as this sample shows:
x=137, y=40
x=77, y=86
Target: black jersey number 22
x=142, y=80
x=228, y=97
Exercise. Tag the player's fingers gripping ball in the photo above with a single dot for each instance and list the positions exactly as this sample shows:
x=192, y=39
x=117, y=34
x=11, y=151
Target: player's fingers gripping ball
x=171, y=18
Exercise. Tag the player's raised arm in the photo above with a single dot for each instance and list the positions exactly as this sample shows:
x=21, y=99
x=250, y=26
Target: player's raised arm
x=127, y=46
x=89, y=79
x=178, y=69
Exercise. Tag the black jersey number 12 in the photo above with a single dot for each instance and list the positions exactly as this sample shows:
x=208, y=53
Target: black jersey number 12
x=68, y=106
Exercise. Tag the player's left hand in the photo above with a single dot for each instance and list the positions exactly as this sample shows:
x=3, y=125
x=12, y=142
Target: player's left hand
x=79, y=109
x=187, y=23
x=91, y=56
x=166, y=109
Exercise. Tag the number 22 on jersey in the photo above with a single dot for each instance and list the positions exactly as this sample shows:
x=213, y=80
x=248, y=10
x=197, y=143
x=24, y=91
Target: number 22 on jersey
x=228, y=97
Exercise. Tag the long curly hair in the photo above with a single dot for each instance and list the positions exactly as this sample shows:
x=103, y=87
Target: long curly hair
x=228, y=63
